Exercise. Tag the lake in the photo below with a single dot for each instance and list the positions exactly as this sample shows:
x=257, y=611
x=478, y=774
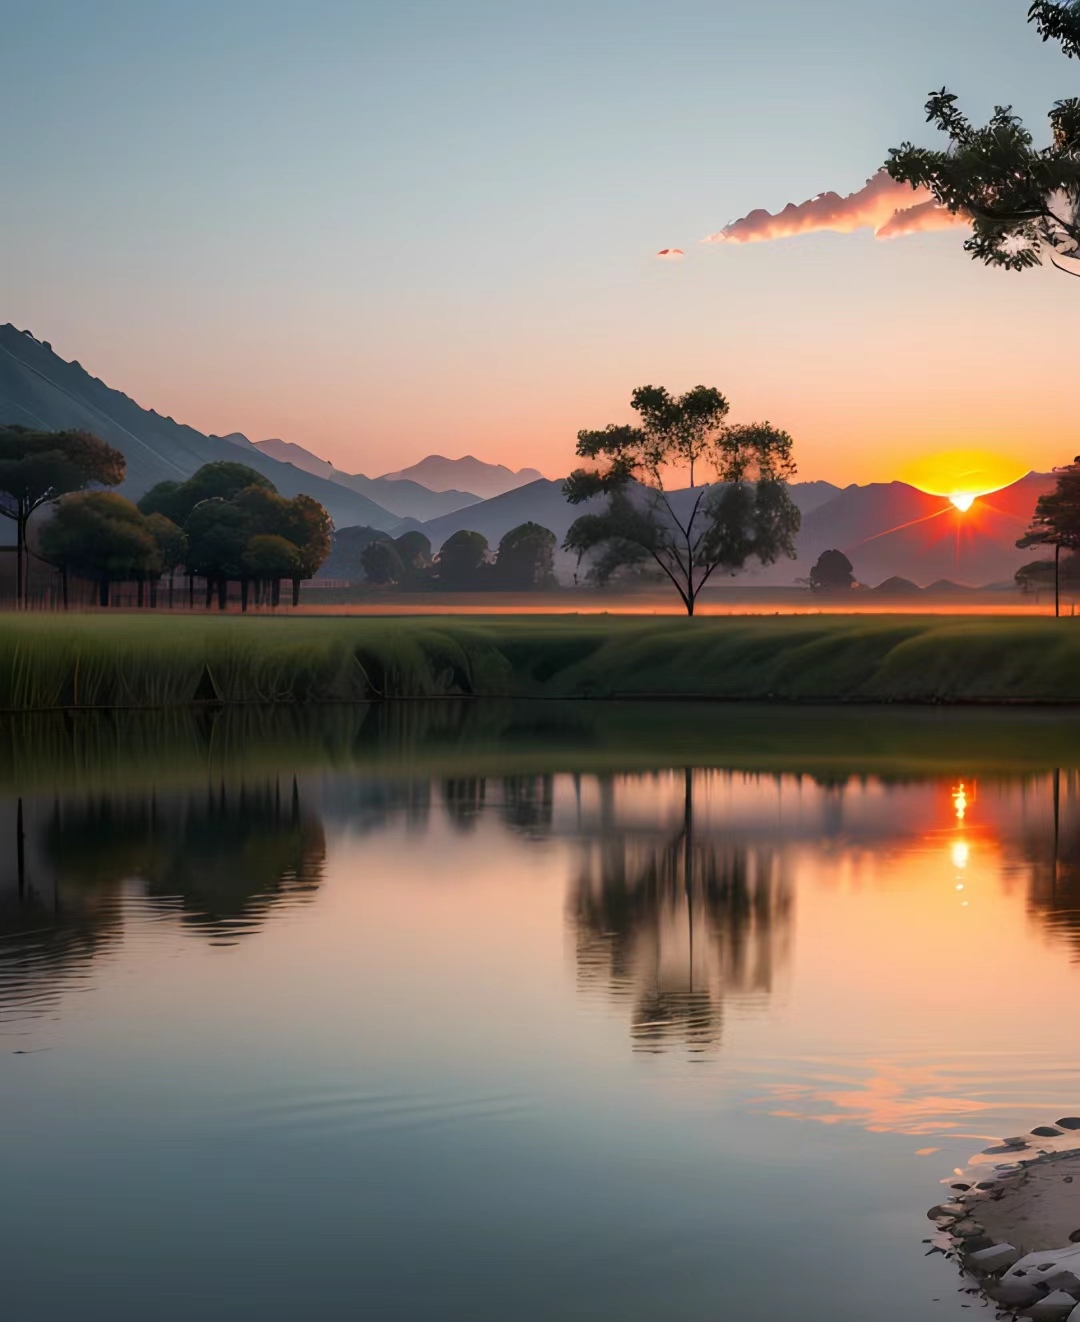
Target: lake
x=667, y=1014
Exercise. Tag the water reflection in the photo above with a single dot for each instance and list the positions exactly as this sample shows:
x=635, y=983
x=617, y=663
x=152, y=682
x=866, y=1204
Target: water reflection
x=675, y=922
x=218, y=863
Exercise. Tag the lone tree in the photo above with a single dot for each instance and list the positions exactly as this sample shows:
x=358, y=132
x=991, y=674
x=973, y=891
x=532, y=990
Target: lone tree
x=37, y=467
x=382, y=562
x=1023, y=200
x=461, y=558
x=526, y=558
x=745, y=514
x=1056, y=521
x=832, y=573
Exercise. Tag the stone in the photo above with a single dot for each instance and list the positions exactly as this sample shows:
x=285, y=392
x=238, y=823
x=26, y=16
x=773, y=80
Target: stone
x=1013, y=1293
x=1070, y=1122
x=1056, y=1307
x=1067, y=1281
x=996, y=1258
x=1045, y=1131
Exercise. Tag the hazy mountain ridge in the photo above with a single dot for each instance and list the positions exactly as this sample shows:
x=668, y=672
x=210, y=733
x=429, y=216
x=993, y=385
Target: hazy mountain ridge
x=887, y=529
x=468, y=473
x=38, y=388
x=406, y=499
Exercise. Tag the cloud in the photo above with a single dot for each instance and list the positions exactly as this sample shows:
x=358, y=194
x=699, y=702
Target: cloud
x=883, y=205
x=670, y=254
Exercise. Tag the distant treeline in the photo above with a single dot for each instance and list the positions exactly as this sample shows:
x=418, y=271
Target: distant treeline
x=524, y=560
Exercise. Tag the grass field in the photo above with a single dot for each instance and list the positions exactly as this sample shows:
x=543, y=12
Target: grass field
x=132, y=661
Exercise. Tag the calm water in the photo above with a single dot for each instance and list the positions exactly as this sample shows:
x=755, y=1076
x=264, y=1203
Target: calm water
x=688, y=1044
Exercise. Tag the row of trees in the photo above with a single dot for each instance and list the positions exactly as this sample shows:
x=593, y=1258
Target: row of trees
x=524, y=561
x=226, y=523
x=236, y=527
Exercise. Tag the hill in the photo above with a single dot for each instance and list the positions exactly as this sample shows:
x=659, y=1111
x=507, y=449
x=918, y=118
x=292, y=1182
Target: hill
x=438, y=473
x=406, y=499
x=543, y=502
x=40, y=389
x=887, y=529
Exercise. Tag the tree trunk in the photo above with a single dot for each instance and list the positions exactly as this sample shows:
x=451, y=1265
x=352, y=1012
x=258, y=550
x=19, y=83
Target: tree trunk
x=191, y=591
x=153, y=593
x=172, y=578
x=209, y=591
x=222, y=592
x=64, y=585
x=296, y=592
x=1057, y=581
x=20, y=561
x=275, y=593
x=103, y=592
x=689, y=603
x=139, y=595
x=244, y=585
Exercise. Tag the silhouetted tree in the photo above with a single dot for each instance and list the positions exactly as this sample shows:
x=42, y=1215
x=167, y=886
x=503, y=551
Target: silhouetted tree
x=39, y=466
x=460, y=559
x=382, y=562
x=268, y=559
x=101, y=536
x=832, y=573
x=526, y=558
x=1056, y=521
x=1023, y=200
x=218, y=533
x=415, y=551
x=172, y=550
x=689, y=535
x=311, y=530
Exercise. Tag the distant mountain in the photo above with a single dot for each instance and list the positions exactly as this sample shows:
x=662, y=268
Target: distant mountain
x=40, y=389
x=408, y=500
x=890, y=529
x=543, y=502
x=438, y=473
x=887, y=529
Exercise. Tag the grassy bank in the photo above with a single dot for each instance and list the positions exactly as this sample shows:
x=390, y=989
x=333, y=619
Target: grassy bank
x=94, y=661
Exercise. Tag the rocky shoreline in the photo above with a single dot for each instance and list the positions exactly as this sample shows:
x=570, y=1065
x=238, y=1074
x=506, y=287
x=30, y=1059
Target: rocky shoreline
x=1012, y=1221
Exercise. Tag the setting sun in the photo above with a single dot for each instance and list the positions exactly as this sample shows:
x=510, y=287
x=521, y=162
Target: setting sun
x=961, y=475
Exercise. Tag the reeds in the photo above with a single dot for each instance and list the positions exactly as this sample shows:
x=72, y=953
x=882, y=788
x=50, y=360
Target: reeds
x=79, y=662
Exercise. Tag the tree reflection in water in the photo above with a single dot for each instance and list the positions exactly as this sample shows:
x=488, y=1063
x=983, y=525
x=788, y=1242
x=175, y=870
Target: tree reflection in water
x=1052, y=858
x=220, y=862
x=676, y=924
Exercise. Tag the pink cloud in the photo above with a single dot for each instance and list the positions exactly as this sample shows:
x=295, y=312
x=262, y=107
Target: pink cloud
x=882, y=205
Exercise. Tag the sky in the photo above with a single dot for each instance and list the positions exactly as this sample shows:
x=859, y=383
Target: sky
x=387, y=230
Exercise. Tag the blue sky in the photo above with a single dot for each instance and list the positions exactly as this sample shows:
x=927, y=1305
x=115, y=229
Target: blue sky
x=382, y=230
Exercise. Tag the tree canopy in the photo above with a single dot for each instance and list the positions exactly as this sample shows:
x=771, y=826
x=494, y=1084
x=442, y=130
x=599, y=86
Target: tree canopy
x=460, y=558
x=832, y=572
x=526, y=558
x=1023, y=200
x=104, y=537
x=40, y=466
x=745, y=513
x=223, y=508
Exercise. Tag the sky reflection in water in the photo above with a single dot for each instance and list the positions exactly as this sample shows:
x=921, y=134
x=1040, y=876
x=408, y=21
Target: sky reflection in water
x=692, y=1044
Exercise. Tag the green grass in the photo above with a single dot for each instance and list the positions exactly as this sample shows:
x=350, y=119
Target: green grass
x=130, y=661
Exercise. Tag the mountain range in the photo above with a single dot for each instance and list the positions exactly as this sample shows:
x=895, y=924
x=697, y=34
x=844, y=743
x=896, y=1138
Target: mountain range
x=886, y=529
